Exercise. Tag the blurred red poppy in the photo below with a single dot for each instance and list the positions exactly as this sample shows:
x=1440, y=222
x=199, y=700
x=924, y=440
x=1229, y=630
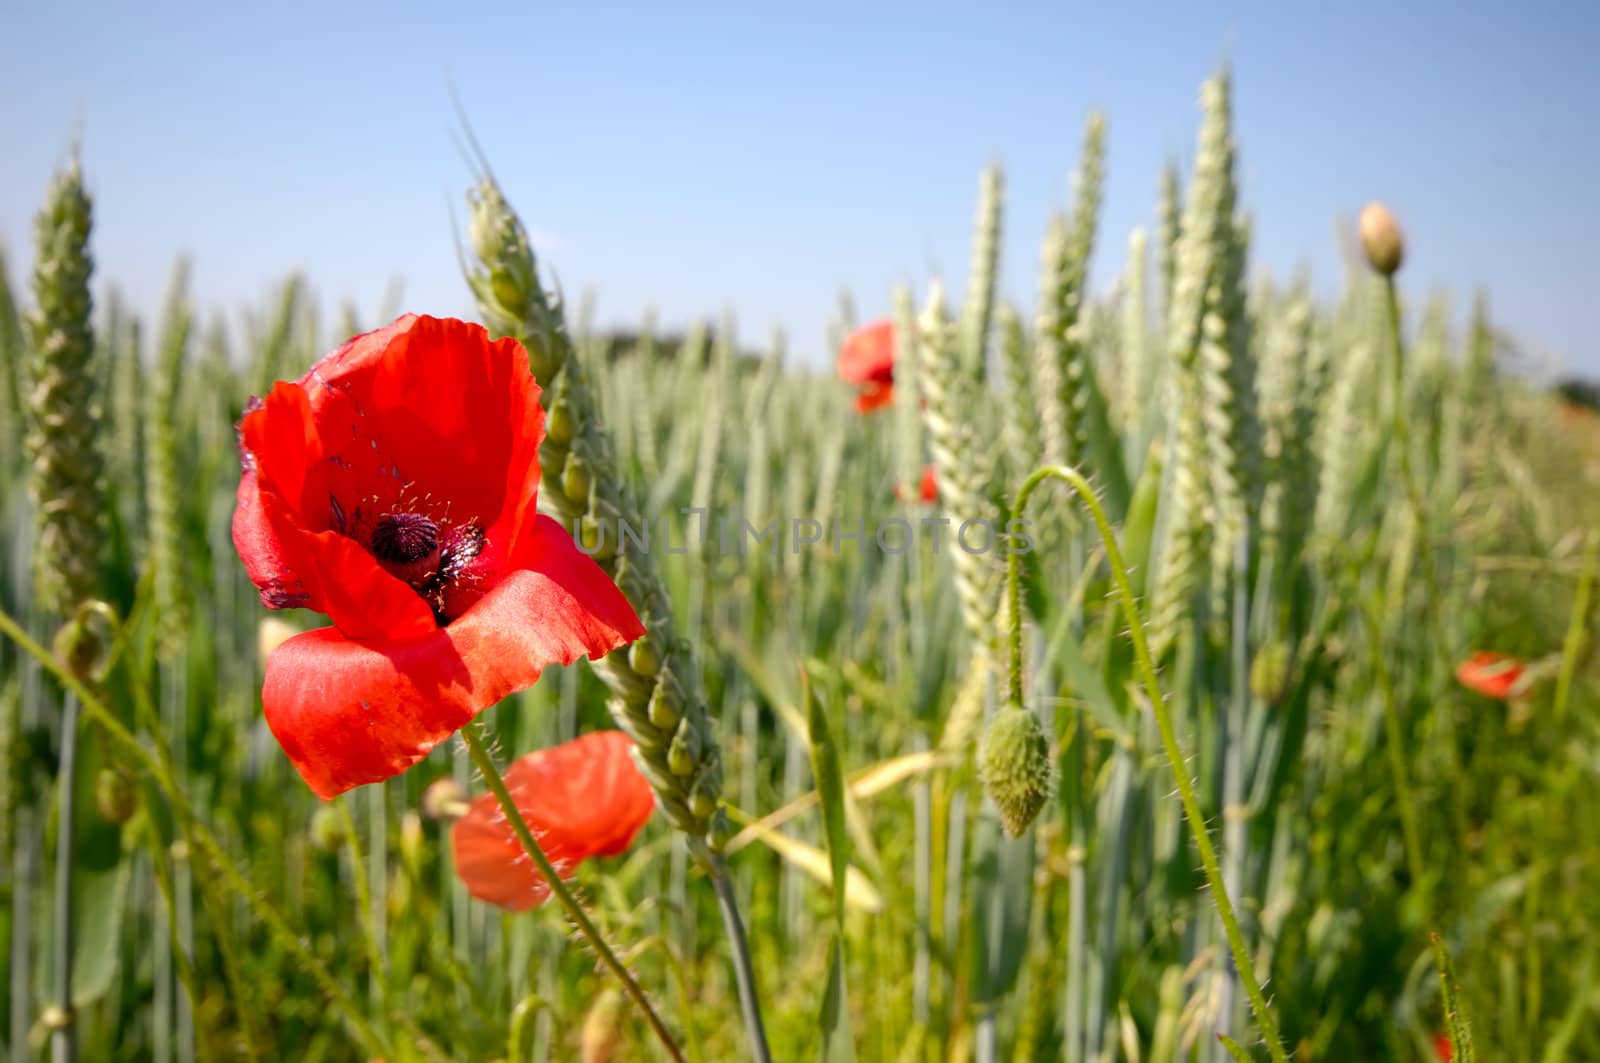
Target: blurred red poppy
x=927, y=493
x=392, y=488
x=1494, y=675
x=1442, y=1047
x=580, y=799
x=866, y=359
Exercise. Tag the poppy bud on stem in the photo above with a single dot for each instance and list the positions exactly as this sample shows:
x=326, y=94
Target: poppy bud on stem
x=1381, y=238
x=1145, y=669
x=1014, y=763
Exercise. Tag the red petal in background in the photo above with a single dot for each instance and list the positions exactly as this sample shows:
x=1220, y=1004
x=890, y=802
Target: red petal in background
x=874, y=397
x=1494, y=675
x=581, y=799
x=867, y=354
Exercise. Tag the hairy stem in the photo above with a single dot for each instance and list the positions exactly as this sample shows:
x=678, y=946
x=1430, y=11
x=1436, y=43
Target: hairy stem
x=1394, y=739
x=563, y=893
x=1169, y=741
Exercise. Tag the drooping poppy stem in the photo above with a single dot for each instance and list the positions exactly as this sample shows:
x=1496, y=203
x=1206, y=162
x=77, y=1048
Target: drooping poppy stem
x=496, y=783
x=739, y=945
x=63, y=1033
x=1146, y=670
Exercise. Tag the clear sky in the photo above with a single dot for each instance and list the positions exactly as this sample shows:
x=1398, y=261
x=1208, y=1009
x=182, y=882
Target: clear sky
x=762, y=156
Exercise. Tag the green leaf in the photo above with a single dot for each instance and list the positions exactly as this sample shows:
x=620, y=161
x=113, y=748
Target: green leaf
x=838, y=1043
x=830, y=792
x=859, y=892
x=1002, y=872
x=101, y=898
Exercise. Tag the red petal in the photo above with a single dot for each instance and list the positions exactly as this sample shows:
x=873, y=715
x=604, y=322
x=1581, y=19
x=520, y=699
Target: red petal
x=867, y=354
x=348, y=712
x=427, y=414
x=930, y=485
x=1494, y=675
x=874, y=396
x=457, y=414
x=580, y=799
x=289, y=498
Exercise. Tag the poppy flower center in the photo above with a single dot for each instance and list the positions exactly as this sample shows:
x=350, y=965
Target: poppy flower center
x=403, y=538
x=443, y=561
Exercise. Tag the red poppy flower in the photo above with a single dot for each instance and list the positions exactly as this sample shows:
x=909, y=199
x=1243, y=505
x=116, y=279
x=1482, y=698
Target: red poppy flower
x=580, y=799
x=392, y=488
x=1494, y=675
x=928, y=492
x=866, y=359
x=1442, y=1048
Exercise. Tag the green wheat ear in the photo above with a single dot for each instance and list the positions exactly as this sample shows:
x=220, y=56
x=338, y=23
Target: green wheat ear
x=1186, y=509
x=1068, y=382
x=657, y=692
x=1137, y=368
x=11, y=369
x=1021, y=429
x=63, y=431
x=961, y=464
x=163, y=479
x=977, y=310
x=1170, y=226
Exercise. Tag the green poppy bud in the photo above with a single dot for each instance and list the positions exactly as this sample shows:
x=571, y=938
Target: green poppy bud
x=1014, y=763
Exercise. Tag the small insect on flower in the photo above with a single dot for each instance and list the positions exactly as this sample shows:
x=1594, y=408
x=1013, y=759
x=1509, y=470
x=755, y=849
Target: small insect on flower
x=1494, y=675
x=581, y=799
x=392, y=488
x=866, y=359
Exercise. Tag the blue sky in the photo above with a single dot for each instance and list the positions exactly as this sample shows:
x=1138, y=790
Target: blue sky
x=697, y=157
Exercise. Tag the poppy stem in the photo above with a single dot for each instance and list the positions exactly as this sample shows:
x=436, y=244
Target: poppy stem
x=743, y=970
x=563, y=893
x=1402, y=442
x=1145, y=668
x=1394, y=740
